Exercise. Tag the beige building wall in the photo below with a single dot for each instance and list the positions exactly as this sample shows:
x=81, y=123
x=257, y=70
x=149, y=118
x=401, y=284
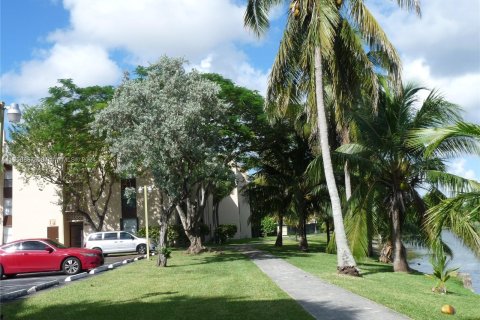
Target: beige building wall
x=34, y=208
x=235, y=209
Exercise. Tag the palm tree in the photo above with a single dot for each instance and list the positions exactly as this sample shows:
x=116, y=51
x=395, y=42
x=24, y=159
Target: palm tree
x=399, y=170
x=279, y=185
x=461, y=214
x=298, y=71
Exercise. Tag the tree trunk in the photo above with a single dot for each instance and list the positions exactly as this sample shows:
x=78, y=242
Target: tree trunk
x=345, y=262
x=196, y=246
x=302, y=232
x=327, y=226
x=191, y=220
x=216, y=222
x=348, y=181
x=369, y=234
x=399, y=253
x=162, y=241
x=279, y=241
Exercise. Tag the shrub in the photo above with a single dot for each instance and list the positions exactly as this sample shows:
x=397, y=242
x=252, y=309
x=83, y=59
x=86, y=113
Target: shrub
x=224, y=232
x=269, y=225
x=176, y=234
x=153, y=233
x=441, y=273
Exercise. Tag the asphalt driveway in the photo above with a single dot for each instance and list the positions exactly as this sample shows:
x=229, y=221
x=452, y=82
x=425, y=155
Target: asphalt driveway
x=26, y=281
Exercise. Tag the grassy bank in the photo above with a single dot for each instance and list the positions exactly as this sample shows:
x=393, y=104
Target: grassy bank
x=409, y=294
x=209, y=286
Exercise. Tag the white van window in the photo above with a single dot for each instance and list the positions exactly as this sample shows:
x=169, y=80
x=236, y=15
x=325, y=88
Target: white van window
x=125, y=236
x=95, y=236
x=110, y=236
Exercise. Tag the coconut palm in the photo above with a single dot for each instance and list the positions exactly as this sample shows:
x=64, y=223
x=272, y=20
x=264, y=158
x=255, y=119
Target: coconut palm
x=461, y=214
x=298, y=72
x=279, y=185
x=399, y=170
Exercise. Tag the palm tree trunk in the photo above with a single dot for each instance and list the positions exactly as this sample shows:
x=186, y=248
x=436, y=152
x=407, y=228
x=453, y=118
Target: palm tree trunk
x=369, y=234
x=302, y=232
x=348, y=181
x=327, y=226
x=345, y=261
x=399, y=255
x=279, y=240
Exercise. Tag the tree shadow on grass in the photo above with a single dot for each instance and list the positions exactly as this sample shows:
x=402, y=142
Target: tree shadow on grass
x=172, y=307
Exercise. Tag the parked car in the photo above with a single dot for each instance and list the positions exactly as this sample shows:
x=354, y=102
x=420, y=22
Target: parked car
x=117, y=242
x=42, y=255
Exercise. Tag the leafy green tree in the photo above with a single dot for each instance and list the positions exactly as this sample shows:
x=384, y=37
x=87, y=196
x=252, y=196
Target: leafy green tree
x=396, y=170
x=305, y=55
x=279, y=185
x=54, y=144
x=166, y=123
x=242, y=128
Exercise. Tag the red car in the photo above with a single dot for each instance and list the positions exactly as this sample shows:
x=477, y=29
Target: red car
x=39, y=255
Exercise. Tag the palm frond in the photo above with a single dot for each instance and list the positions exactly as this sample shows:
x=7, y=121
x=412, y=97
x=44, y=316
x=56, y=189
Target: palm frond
x=256, y=15
x=356, y=230
x=451, y=182
x=459, y=214
x=375, y=36
x=460, y=138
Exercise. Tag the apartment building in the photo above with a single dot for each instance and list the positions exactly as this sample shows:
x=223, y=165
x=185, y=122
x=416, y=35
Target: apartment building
x=33, y=209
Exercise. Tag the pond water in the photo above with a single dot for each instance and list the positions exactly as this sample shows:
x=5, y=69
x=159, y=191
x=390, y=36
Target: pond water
x=462, y=257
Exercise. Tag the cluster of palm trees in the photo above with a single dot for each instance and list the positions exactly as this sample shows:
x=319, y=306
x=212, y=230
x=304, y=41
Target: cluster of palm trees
x=338, y=68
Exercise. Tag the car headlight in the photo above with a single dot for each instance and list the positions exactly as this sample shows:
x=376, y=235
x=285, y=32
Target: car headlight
x=89, y=254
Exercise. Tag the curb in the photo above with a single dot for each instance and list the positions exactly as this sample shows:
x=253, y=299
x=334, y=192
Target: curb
x=20, y=293
x=13, y=295
x=43, y=286
x=76, y=277
x=99, y=269
x=114, y=265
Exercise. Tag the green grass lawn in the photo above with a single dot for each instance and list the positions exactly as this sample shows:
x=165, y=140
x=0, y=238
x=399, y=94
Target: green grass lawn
x=409, y=294
x=208, y=286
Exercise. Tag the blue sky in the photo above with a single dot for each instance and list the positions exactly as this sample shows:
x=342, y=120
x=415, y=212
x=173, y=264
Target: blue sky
x=95, y=41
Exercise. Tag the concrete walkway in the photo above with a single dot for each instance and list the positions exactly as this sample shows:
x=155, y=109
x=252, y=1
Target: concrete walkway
x=320, y=299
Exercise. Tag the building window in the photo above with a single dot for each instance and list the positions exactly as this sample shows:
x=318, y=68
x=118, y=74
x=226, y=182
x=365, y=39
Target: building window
x=129, y=204
x=7, y=207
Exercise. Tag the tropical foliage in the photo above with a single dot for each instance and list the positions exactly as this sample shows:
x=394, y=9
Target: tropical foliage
x=395, y=170
x=165, y=123
x=54, y=144
x=323, y=49
x=461, y=213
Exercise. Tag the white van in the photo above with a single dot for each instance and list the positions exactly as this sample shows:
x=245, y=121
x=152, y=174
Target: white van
x=116, y=242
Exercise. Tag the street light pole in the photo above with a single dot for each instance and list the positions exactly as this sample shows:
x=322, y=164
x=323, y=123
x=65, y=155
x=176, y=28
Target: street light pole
x=14, y=115
x=146, y=220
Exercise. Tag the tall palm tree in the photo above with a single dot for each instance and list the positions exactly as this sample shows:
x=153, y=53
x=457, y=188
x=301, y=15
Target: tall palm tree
x=397, y=168
x=298, y=72
x=461, y=214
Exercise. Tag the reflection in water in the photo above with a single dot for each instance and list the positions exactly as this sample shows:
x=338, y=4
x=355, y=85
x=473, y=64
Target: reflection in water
x=462, y=257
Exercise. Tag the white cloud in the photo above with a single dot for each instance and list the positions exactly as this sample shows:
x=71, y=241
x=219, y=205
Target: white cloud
x=149, y=28
x=234, y=65
x=141, y=32
x=441, y=49
x=87, y=64
x=462, y=90
x=458, y=168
